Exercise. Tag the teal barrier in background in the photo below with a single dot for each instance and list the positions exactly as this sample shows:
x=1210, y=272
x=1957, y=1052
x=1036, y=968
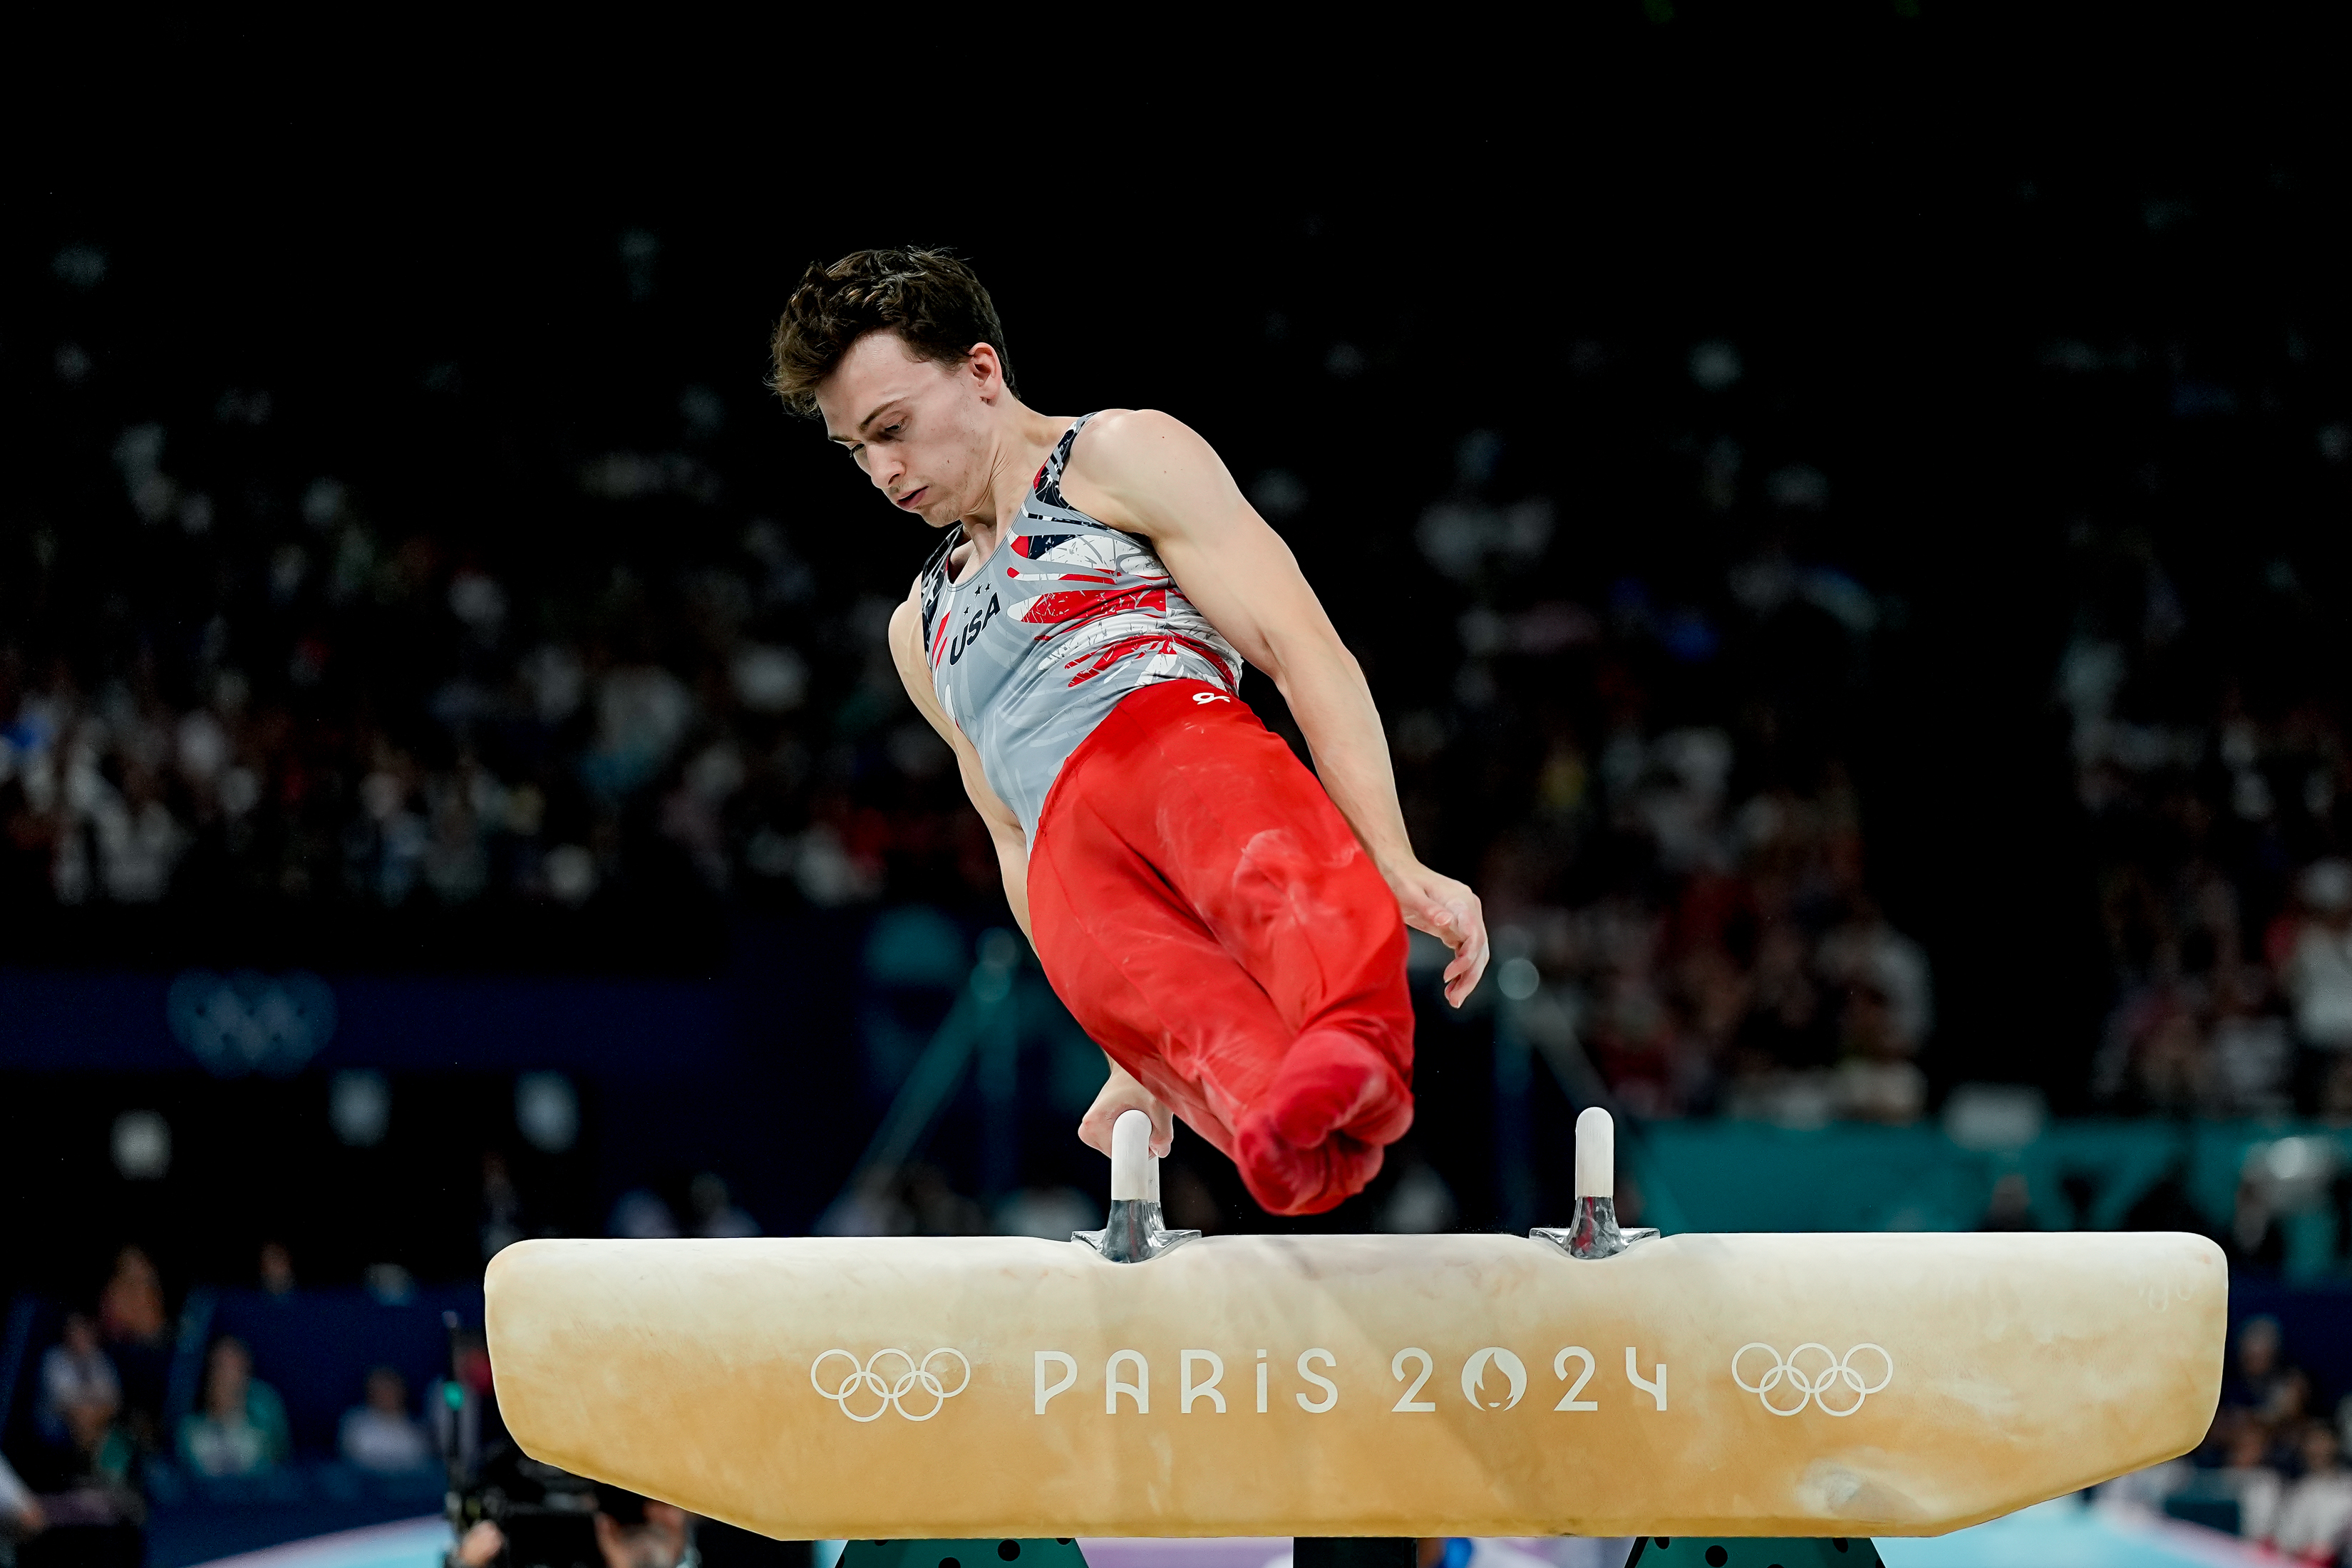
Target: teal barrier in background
x=1752, y=1176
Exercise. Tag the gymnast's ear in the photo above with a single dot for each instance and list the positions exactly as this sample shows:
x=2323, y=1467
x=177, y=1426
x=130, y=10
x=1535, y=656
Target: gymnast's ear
x=986, y=368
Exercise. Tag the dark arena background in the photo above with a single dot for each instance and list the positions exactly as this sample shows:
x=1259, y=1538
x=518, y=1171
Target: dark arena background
x=1857, y=584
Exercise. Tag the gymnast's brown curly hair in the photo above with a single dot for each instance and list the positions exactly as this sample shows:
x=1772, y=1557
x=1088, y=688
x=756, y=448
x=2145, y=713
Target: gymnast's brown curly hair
x=930, y=298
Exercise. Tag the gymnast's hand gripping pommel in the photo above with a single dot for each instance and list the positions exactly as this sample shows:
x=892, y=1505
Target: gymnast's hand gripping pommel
x=1582, y=1381
x=1135, y=1233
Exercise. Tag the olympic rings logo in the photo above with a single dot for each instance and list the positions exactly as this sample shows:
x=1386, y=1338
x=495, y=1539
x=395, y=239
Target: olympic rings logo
x=889, y=1392
x=1836, y=1388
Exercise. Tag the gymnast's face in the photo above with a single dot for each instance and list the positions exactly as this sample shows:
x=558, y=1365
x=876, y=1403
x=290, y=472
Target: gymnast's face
x=921, y=430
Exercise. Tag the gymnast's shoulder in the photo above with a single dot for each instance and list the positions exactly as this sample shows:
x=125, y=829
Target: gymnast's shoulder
x=1136, y=461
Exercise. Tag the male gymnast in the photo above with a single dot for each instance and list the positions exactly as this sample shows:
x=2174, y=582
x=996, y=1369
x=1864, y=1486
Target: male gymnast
x=1229, y=932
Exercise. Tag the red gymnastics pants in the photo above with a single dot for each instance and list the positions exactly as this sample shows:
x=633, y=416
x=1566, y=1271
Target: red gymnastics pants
x=1203, y=909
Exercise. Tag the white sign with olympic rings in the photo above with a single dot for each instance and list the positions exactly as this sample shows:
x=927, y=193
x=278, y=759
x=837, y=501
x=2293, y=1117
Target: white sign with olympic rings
x=1829, y=1382
x=866, y=1381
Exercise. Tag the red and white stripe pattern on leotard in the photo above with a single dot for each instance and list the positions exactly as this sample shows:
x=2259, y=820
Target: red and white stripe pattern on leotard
x=1036, y=643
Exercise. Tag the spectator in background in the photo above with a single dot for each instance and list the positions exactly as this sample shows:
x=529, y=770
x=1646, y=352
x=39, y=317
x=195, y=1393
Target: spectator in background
x=1885, y=1019
x=80, y=1400
x=501, y=1223
x=2315, y=1514
x=632, y=1532
x=2012, y=1205
x=2257, y=1233
x=635, y=1532
x=2246, y=1477
x=131, y=1308
x=2164, y=1053
x=276, y=1268
x=241, y=1429
x=2262, y=1382
x=380, y=1436
x=2313, y=953
x=80, y=1390
x=137, y=1329
x=2252, y=1069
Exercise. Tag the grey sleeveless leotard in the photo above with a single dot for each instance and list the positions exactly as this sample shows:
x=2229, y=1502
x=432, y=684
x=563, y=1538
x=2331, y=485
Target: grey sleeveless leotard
x=1040, y=641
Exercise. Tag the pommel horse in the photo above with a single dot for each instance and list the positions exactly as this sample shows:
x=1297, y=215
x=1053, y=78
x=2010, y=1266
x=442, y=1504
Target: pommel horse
x=1693, y=1390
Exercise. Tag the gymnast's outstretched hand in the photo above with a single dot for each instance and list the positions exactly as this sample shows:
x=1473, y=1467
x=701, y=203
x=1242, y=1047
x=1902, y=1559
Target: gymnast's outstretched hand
x=1121, y=1093
x=1450, y=911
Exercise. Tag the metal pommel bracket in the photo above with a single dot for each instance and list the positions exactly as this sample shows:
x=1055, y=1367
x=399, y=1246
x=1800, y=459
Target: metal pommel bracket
x=1594, y=1233
x=1135, y=1234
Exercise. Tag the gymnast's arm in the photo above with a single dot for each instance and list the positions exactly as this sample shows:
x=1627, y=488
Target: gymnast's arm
x=1003, y=827
x=1147, y=472
x=1119, y=1092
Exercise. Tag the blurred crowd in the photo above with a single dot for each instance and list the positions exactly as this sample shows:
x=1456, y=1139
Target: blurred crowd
x=1710, y=954
x=230, y=676
x=2272, y=1468
x=231, y=679
x=110, y=1434
x=1656, y=791
x=134, y=1409
x=272, y=685
x=365, y=718
x=2219, y=796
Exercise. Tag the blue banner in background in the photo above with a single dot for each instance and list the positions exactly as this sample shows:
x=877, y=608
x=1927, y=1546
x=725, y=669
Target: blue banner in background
x=278, y=1024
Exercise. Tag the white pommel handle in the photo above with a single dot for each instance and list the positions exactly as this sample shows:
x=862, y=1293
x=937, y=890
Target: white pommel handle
x=1596, y=1154
x=1132, y=1170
